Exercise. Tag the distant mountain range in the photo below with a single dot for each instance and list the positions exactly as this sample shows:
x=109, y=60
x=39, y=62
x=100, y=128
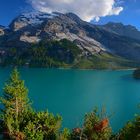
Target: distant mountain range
x=123, y=30
x=64, y=40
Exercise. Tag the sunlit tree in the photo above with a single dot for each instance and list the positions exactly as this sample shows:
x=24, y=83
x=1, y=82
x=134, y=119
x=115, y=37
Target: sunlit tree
x=15, y=102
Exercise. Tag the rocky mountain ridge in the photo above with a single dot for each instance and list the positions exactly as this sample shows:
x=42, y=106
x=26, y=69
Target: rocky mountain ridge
x=35, y=27
x=123, y=30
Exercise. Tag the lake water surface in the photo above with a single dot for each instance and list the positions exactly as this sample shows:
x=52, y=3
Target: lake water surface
x=72, y=93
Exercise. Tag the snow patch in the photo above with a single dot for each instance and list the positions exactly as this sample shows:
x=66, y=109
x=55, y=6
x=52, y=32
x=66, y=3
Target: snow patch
x=36, y=17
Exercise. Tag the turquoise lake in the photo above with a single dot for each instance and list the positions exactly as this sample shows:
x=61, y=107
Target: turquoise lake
x=72, y=93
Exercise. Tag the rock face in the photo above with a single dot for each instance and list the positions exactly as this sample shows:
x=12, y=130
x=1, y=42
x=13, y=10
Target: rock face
x=31, y=28
x=2, y=32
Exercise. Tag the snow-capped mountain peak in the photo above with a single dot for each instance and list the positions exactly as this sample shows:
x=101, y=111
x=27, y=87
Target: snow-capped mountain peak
x=31, y=18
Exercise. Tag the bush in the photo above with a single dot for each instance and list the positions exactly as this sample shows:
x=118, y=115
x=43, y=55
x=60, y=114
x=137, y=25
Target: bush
x=95, y=127
x=42, y=125
x=136, y=73
x=131, y=131
x=64, y=135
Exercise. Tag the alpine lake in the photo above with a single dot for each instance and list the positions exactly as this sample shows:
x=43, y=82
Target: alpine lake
x=73, y=93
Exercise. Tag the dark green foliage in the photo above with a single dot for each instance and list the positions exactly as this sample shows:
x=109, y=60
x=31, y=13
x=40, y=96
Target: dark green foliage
x=42, y=125
x=63, y=53
x=131, y=131
x=64, y=135
x=136, y=73
x=19, y=121
x=45, y=54
x=39, y=57
x=54, y=53
x=15, y=103
x=1, y=126
x=97, y=127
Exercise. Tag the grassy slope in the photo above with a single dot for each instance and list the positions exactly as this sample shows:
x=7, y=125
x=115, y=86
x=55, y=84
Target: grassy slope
x=104, y=61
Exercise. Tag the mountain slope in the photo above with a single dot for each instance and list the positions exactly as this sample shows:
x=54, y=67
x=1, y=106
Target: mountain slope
x=65, y=40
x=123, y=30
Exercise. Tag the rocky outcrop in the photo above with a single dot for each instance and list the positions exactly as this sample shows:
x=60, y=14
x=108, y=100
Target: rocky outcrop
x=2, y=30
x=29, y=39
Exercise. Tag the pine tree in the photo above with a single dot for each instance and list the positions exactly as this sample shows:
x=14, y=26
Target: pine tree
x=15, y=102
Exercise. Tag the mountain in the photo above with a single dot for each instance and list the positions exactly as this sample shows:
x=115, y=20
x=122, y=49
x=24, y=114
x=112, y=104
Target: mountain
x=64, y=40
x=123, y=30
x=34, y=27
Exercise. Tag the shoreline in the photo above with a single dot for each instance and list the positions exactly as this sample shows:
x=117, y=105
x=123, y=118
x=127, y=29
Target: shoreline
x=82, y=69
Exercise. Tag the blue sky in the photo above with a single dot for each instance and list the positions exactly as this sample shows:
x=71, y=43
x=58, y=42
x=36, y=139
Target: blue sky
x=9, y=9
x=129, y=15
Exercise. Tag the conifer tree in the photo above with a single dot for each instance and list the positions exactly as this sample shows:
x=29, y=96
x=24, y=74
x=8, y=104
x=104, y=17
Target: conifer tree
x=15, y=102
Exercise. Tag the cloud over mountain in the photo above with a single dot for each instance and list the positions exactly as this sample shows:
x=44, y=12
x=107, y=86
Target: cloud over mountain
x=86, y=9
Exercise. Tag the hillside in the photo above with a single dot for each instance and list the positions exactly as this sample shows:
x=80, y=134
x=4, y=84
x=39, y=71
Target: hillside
x=124, y=30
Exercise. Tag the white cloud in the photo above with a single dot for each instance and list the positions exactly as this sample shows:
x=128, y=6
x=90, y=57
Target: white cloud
x=86, y=9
